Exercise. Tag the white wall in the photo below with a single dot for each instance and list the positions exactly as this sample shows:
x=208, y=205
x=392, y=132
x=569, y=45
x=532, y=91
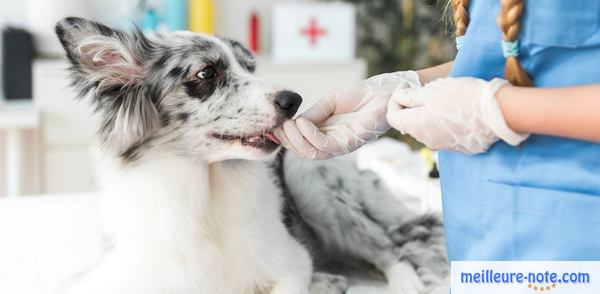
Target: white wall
x=13, y=12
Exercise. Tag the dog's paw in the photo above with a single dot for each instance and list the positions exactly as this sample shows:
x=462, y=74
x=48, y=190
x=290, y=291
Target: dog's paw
x=323, y=283
x=403, y=279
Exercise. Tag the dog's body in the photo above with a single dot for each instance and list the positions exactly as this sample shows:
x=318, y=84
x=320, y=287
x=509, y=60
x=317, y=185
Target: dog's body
x=192, y=204
x=190, y=227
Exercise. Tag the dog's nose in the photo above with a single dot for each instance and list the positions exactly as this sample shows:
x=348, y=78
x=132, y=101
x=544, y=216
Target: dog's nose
x=288, y=102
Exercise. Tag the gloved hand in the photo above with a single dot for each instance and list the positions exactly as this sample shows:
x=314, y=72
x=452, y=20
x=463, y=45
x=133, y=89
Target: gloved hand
x=459, y=114
x=345, y=119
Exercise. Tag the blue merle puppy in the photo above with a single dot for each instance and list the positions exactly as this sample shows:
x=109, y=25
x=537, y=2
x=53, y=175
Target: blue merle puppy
x=185, y=153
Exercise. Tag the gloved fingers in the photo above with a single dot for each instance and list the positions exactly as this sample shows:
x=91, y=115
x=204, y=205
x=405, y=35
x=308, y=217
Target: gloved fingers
x=418, y=123
x=299, y=144
x=339, y=136
x=400, y=87
x=392, y=110
x=410, y=120
x=420, y=126
x=285, y=141
x=321, y=110
x=401, y=118
x=314, y=136
x=408, y=97
x=428, y=128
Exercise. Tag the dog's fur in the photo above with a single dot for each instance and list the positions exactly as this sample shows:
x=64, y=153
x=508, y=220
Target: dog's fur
x=350, y=221
x=192, y=203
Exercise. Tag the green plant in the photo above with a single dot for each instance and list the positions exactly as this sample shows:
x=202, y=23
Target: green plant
x=402, y=34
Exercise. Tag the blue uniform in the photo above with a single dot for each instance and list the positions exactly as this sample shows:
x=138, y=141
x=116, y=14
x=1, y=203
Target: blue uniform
x=540, y=200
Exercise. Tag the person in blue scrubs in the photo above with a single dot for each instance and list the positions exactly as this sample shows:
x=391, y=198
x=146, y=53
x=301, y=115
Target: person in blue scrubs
x=516, y=117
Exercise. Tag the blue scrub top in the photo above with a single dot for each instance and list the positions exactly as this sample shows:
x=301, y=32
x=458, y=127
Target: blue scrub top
x=540, y=200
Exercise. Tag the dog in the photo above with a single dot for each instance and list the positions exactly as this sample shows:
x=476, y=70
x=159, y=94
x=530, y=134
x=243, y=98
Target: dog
x=197, y=199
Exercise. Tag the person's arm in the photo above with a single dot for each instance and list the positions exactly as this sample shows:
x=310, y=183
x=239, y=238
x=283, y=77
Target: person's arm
x=429, y=74
x=572, y=112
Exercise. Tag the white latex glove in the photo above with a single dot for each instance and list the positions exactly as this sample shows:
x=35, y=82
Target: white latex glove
x=345, y=119
x=459, y=114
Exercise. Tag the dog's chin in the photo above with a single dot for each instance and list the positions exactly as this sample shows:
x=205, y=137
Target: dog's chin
x=262, y=153
x=239, y=152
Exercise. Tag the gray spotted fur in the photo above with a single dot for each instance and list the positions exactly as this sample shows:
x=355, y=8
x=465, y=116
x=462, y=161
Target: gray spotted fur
x=144, y=88
x=350, y=220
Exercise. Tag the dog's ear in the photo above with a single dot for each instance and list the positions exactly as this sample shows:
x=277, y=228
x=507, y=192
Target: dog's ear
x=101, y=54
x=110, y=62
x=244, y=57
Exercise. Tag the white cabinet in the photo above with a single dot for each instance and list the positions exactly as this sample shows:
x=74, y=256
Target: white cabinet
x=68, y=125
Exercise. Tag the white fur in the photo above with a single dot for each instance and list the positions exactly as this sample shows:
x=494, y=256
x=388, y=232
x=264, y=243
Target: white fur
x=193, y=227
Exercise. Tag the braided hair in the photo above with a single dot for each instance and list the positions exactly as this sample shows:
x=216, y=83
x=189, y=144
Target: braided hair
x=509, y=21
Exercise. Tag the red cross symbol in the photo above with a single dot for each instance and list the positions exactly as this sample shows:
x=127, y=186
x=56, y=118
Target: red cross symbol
x=313, y=32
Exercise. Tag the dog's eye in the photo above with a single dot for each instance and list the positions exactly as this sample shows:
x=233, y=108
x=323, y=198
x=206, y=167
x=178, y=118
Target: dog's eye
x=207, y=73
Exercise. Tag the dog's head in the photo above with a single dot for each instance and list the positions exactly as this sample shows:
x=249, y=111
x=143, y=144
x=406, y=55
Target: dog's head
x=189, y=94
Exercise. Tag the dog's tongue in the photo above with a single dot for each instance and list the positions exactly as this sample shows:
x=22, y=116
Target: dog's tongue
x=253, y=139
x=271, y=136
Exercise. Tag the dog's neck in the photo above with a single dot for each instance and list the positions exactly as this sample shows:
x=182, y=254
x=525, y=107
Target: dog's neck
x=162, y=198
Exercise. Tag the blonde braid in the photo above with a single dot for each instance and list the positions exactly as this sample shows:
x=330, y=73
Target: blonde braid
x=509, y=23
x=461, y=16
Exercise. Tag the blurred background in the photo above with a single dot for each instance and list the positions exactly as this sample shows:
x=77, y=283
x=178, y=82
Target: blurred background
x=308, y=46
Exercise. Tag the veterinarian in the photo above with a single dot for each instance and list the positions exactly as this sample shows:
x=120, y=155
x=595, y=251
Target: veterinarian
x=516, y=117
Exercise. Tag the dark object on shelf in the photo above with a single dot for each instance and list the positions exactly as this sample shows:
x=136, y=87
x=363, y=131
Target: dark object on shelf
x=17, y=56
x=434, y=173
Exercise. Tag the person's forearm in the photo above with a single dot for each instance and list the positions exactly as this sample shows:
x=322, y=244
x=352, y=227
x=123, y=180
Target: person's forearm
x=572, y=112
x=427, y=75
